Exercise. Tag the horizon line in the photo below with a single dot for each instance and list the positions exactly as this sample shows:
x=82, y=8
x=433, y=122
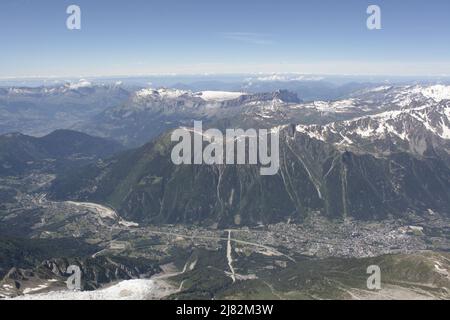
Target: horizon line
x=211, y=74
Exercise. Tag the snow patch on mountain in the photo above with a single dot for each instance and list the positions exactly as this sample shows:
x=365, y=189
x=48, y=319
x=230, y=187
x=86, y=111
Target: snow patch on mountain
x=402, y=124
x=380, y=89
x=338, y=106
x=161, y=93
x=436, y=92
x=313, y=131
x=209, y=96
x=405, y=96
x=219, y=95
x=82, y=83
x=136, y=289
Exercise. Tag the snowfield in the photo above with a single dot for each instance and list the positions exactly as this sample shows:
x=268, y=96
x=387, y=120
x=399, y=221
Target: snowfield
x=333, y=106
x=138, y=289
x=162, y=93
x=437, y=92
x=219, y=95
x=209, y=96
x=102, y=211
x=400, y=123
x=82, y=83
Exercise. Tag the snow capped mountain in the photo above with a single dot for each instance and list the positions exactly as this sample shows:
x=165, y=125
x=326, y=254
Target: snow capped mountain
x=161, y=93
x=376, y=100
x=137, y=117
x=82, y=83
x=340, y=106
x=135, y=289
x=78, y=87
x=40, y=110
x=412, y=129
x=405, y=96
x=154, y=111
x=167, y=94
x=437, y=92
x=391, y=118
x=167, y=101
x=219, y=95
x=150, y=112
x=208, y=102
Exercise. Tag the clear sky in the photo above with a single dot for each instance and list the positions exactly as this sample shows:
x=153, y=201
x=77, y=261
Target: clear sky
x=136, y=37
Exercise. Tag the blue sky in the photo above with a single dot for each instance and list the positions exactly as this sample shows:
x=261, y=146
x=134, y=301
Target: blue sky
x=138, y=37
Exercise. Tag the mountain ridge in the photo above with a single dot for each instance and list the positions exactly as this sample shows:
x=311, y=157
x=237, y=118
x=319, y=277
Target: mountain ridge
x=21, y=153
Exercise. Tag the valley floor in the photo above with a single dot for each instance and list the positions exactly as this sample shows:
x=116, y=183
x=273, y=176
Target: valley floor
x=317, y=259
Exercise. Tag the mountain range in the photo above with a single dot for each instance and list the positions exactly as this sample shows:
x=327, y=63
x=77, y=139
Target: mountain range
x=40, y=110
x=363, y=180
x=391, y=162
x=58, y=151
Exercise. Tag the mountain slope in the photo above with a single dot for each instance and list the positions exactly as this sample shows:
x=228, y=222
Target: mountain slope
x=145, y=186
x=416, y=130
x=391, y=161
x=38, y=111
x=150, y=112
x=62, y=148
